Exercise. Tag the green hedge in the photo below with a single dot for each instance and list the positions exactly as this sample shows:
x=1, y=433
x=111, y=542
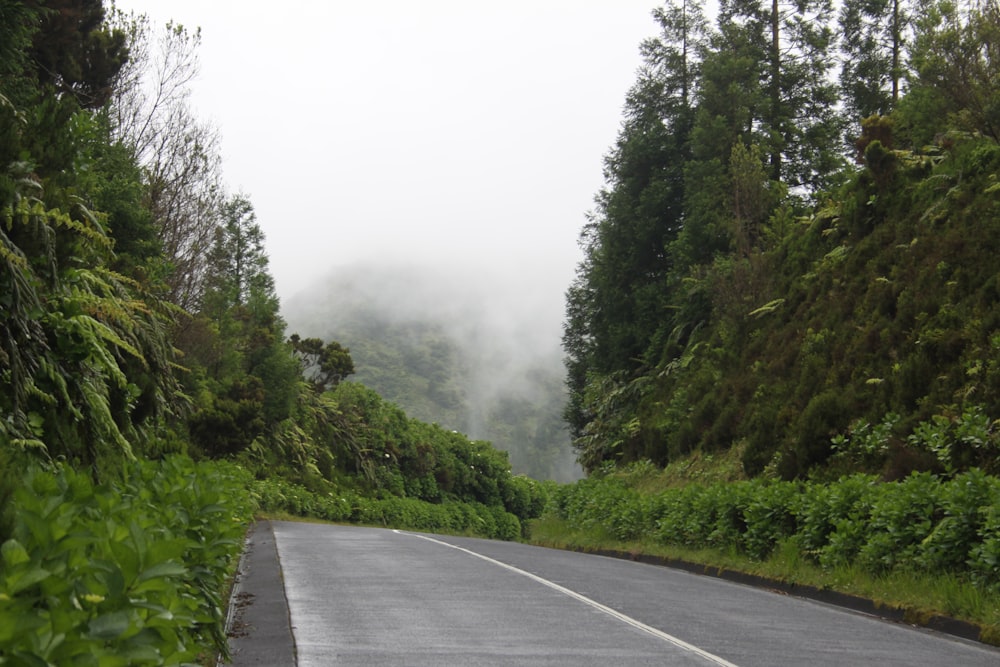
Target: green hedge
x=491, y=521
x=126, y=573
x=921, y=523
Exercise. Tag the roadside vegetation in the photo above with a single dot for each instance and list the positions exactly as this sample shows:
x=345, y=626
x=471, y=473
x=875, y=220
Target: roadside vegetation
x=783, y=342
x=126, y=572
x=153, y=402
x=791, y=269
x=923, y=544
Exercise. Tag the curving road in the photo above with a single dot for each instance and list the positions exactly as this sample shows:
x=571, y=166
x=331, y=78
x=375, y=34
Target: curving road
x=364, y=596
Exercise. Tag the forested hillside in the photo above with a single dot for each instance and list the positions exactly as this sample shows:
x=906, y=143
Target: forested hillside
x=795, y=251
x=450, y=349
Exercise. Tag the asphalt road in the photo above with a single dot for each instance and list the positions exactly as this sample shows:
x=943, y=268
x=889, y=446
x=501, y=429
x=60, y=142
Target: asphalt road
x=364, y=596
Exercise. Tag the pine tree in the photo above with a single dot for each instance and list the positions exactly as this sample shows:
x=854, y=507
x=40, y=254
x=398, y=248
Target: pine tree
x=794, y=114
x=955, y=56
x=617, y=302
x=238, y=263
x=873, y=36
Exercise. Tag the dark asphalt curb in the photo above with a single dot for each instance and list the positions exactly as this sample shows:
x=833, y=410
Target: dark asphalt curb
x=910, y=616
x=258, y=626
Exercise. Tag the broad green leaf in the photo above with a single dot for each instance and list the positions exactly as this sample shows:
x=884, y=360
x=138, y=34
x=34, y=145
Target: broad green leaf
x=17, y=580
x=110, y=575
x=127, y=558
x=167, y=569
x=138, y=539
x=14, y=623
x=14, y=553
x=166, y=550
x=158, y=612
x=213, y=509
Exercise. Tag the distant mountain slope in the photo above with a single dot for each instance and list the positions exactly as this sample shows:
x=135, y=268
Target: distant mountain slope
x=471, y=353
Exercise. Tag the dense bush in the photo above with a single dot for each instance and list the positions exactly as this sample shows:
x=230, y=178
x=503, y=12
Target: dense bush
x=404, y=457
x=125, y=573
x=491, y=521
x=920, y=523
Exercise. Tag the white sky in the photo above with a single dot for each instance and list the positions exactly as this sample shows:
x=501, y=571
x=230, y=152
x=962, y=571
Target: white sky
x=464, y=133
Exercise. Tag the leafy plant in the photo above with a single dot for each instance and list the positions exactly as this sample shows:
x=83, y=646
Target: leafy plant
x=129, y=573
x=921, y=523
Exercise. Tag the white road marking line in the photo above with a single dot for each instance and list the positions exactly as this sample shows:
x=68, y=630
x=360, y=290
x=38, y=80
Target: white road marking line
x=659, y=634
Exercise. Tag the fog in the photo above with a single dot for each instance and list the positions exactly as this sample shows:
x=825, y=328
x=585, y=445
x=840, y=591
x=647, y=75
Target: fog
x=440, y=132
x=458, y=142
x=497, y=337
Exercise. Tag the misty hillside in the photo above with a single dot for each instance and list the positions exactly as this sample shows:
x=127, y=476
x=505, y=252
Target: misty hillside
x=474, y=353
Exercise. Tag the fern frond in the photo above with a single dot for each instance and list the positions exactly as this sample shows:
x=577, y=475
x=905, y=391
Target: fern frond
x=99, y=413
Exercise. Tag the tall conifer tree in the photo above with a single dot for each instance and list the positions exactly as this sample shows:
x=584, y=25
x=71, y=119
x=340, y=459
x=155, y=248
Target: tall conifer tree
x=873, y=36
x=797, y=120
x=618, y=300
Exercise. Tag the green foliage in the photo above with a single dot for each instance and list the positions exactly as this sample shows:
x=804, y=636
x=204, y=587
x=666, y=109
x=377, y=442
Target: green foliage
x=84, y=349
x=899, y=522
x=325, y=365
x=125, y=573
x=919, y=524
x=349, y=455
x=796, y=295
x=985, y=556
x=75, y=52
x=238, y=265
x=885, y=307
x=108, y=558
x=954, y=69
x=276, y=495
x=959, y=443
x=865, y=444
x=399, y=456
x=874, y=34
x=407, y=343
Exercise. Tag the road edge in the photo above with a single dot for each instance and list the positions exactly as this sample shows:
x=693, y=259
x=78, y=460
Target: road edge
x=906, y=615
x=258, y=627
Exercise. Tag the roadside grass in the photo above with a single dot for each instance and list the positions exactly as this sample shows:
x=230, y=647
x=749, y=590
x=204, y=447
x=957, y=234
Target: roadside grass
x=921, y=596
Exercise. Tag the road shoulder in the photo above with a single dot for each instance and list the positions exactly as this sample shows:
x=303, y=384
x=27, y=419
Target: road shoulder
x=905, y=615
x=259, y=631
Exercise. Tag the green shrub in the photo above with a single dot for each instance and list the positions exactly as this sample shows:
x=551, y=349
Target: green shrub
x=492, y=521
x=984, y=561
x=823, y=508
x=965, y=502
x=902, y=516
x=920, y=523
x=129, y=573
x=726, y=523
x=507, y=525
x=672, y=511
x=771, y=515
